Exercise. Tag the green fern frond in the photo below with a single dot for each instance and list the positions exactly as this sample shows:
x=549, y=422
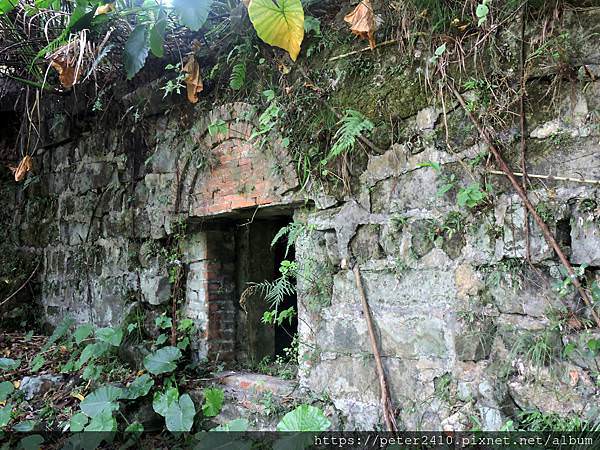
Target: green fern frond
x=238, y=76
x=352, y=125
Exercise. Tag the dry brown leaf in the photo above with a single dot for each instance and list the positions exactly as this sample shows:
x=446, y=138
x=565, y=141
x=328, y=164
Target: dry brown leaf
x=362, y=22
x=574, y=375
x=246, y=2
x=193, y=80
x=66, y=73
x=104, y=9
x=21, y=170
x=78, y=396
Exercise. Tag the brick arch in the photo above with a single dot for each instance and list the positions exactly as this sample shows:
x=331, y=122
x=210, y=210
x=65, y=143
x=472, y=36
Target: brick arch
x=243, y=174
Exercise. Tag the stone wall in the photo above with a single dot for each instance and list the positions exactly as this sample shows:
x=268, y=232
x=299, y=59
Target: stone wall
x=459, y=311
x=462, y=318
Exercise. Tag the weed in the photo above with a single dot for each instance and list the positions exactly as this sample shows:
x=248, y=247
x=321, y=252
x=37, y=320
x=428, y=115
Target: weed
x=535, y=420
x=176, y=84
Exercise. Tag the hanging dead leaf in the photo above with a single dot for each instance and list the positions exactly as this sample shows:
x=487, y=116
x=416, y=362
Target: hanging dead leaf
x=104, y=9
x=21, y=170
x=17, y=384
x=362, y=22
x=67, y=74
x=193, y=80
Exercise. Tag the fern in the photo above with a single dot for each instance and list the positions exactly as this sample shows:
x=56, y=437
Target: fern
x=352, y=125
x=238, y=76
x=292, y=231
x=274, y=292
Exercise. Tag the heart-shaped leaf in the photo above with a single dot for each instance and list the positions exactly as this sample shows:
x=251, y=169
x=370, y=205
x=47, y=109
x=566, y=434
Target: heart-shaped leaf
x=213, y=402
x=280, y=24
x=5, y=413
x=180, y=415
x=112, y=336
x=157, y=35
x=78, y=422
x=101, y=400
x=82, y=332
x=304, y=418
x=136, y=50
x=192, y=13
x=9, y=364
x=103, y=422
x=162, y=361
x=163, y=400
x=139, y=387
x=6, y=388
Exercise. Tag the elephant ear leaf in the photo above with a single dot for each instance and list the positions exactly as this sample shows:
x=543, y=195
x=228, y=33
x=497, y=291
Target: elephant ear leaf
x=280, y=24
x=192, y=13
x=136, y=50
x=157, y=35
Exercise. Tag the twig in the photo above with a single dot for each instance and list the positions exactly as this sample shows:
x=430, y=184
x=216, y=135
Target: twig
x=22, y=286
x=386, y=403
x=355, y=52
x=545, y=230
x=548, y=177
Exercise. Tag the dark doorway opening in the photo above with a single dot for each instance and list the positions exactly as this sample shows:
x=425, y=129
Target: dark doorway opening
x=258, y=261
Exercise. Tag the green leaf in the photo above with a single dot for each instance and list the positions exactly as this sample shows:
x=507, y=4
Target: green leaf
x=163, y=322
x=157, y=35
x=33, y=442
x=37, y=363
x=134, y=427
x=24, y=427
x=280, y=24
x=238, y=76
x=136, y=51
x=180, y=415
x=213, y=402
x=304, y=418
x=101, y=400
x=9, y=363
x=162, y=361
x=59, y=331
x=434, y=165
x=92, y=372
x=112, y=336
x=439, y=51
x=6, y=388
x=312, y=24
x=139, y=387
x=7, y=6
x=92, y=351
x=163, y=400
x=192, y=13
x=82, y=332
x=78, y=422
x=217, y=127
x=234, y=425
x=5, y=413
x=103, y=421
x=161, y=339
